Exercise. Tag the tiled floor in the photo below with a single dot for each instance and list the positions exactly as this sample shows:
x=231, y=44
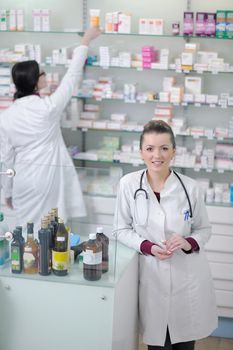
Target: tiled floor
x=210, y=343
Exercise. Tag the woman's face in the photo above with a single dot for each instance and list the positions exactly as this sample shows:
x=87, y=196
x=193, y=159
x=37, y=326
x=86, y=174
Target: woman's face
x=157, y=152
x=42, y=83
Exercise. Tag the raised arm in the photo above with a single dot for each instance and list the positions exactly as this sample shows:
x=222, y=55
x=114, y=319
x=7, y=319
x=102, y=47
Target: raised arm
x=59, y=99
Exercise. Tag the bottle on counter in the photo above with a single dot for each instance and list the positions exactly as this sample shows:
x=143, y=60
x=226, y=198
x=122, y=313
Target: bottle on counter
x=60, y=253
x=17, y=248
x=52, y=225
x=44, y=235
x=104, y=240
x=20, y=230
x=31, y=249
x=92, y=258
x=5, y=244
x=55, y=213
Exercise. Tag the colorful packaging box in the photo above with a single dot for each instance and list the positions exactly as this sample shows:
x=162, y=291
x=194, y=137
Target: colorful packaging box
x=220, y=24
x=229, y=24
x=210, y=24
x=188, y=27
x=200, y=23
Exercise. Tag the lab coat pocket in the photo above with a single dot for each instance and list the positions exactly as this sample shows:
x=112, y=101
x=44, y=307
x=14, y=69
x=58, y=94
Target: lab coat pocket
x=186, y=221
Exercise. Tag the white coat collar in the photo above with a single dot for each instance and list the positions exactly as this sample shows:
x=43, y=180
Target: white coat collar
x=169, y=186
x=26, y=99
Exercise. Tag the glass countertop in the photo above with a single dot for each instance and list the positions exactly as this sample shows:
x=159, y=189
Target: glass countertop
x=119, y=258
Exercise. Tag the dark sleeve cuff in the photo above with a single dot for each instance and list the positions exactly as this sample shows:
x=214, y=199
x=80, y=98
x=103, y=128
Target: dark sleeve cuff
x=194, y=245
x=145, y=247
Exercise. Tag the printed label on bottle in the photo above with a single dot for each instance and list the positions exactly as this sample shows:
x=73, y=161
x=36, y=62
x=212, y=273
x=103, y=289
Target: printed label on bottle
x=15, y=256
x=60, y=260
x=28, y=249
x=60, y=239
x=91, y=258
x=28, y=260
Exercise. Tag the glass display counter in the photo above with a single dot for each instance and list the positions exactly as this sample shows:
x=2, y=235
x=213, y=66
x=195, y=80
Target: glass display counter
x=60, y=312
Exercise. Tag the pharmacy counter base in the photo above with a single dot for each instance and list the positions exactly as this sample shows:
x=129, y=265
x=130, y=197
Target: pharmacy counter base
x=57, y=313
x=219, y=251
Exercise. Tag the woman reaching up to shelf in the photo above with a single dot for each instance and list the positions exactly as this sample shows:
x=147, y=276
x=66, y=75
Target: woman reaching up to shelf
x=161, y=214
x=32, y=142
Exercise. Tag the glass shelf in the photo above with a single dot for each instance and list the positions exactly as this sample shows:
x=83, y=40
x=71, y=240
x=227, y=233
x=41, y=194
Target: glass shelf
x=140, y=69
x=182, y=104
x=194, y=168
x=170, y=36
x=79, y=32
x=216, y=139
x=54, y=65
x=75, y=275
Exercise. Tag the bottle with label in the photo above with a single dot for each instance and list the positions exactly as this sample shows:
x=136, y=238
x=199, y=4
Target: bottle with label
x=44, y=235
x=20, y=230
x=92, y=259
x=52, y=225
x=17, y=247
x=104, y=240
x=31, y=248
x=3, y=229
x=60, y=253
x=55, y=213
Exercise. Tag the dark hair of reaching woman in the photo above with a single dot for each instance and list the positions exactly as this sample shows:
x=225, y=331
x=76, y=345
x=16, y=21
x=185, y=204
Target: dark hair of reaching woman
x=25, y=76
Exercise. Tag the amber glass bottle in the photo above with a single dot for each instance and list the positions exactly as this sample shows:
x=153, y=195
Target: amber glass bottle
x=31, y=248
x=104, y=240
x=92, y=259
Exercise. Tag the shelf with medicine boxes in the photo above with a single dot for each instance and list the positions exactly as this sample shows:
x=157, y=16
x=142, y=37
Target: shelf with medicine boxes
x=194, y=65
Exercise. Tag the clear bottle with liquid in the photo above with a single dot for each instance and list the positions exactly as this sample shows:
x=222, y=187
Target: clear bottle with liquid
x=92, y=258
x=104, y=240
x=31, y=249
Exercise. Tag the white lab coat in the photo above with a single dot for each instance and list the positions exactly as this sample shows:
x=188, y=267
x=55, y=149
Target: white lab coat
x=32, y=143
x=177, y=292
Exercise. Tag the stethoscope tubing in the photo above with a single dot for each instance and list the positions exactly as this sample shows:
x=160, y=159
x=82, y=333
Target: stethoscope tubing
x=181, y=182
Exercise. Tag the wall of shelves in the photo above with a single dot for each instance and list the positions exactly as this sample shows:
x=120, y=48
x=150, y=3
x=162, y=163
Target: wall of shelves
x=67, y=27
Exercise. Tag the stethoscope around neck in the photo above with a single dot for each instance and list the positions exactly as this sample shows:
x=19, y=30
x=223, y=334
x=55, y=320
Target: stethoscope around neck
x=141, y=192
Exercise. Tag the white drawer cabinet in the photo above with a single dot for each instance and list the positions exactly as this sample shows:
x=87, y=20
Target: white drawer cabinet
x=71, y=313
x=220, y=255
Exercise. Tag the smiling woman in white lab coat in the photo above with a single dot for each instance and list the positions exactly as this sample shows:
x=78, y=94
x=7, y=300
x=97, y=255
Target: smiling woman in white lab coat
x=169, y=227
x=32, y=143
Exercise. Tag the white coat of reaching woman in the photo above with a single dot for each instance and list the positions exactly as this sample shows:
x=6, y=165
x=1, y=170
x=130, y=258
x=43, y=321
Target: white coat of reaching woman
x=161, y=214
x=32, y=142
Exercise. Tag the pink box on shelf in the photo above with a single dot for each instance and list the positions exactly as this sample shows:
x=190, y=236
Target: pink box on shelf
x=146, y=65
x=188, y=27
x=200, y=23
x=210, y=25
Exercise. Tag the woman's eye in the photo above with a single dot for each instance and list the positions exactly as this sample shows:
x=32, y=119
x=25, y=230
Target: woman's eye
x=149, y=149
x=165, y=149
